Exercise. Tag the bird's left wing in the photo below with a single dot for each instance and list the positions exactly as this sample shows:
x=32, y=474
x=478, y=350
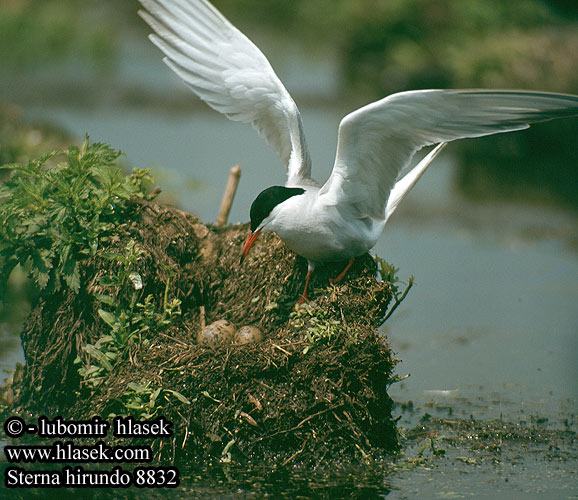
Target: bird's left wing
x=377, y=141
x=227, y=71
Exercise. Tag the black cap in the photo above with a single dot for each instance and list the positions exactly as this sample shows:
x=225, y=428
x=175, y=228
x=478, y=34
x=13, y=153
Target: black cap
x=267, y=200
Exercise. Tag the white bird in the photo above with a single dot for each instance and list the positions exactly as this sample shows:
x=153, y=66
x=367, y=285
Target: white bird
x=343, y=218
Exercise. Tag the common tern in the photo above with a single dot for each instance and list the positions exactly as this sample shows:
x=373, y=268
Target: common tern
x=343, y=218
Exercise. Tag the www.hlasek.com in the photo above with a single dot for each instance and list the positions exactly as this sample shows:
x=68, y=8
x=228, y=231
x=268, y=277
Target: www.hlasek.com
x=68, y=452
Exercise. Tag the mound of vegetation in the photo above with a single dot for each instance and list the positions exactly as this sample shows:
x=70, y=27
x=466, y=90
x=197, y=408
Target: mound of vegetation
x=126, y=285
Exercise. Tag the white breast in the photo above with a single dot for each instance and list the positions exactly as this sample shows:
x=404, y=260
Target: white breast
x=322, y=233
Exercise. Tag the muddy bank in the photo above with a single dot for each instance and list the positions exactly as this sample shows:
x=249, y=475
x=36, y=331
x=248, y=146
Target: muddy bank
x=313, y=389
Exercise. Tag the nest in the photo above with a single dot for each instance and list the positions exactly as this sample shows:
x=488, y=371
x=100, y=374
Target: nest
x=314, y=389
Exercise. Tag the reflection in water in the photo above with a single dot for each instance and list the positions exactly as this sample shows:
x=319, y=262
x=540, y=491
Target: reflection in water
x=539, y=164
x=349, y=481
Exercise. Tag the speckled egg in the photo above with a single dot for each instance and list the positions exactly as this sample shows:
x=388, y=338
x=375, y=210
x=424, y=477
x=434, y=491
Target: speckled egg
x=248, y=335
x=217, y=333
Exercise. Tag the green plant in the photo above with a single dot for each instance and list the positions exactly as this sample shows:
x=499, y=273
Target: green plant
x=388, y=273
x=128, y=318
x=143, y=401
x=58, y=209
x=36, y=33
x=131, y=318
x=318, y=327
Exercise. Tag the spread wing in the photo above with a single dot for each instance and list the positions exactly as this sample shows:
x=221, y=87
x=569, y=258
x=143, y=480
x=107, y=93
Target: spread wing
x=227, y=71
x=377, y=141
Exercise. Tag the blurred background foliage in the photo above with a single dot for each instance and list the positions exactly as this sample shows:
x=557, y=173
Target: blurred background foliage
x=39, y=32
x=21, y=140
x=390, y=45
x=381, y=47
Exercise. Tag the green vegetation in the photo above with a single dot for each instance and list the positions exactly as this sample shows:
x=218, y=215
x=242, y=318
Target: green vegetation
x=21, y=140
x=55, y=213
x=384, y=45
x=388, y=274
x=60, y=209
x=318, y=326
x=129, y=319
x=38, y=32
x=391, y=45
x=143, y=401
x=65, y=207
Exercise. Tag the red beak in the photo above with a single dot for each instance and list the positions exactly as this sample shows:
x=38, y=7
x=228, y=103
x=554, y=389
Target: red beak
x=249, y=243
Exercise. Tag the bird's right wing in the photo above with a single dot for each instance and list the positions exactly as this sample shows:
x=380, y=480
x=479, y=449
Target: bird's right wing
x=377, y=141
x=227, y=71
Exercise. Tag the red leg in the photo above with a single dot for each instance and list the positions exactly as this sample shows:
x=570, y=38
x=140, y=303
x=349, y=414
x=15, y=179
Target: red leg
x=340, y=277
x=304, y=297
